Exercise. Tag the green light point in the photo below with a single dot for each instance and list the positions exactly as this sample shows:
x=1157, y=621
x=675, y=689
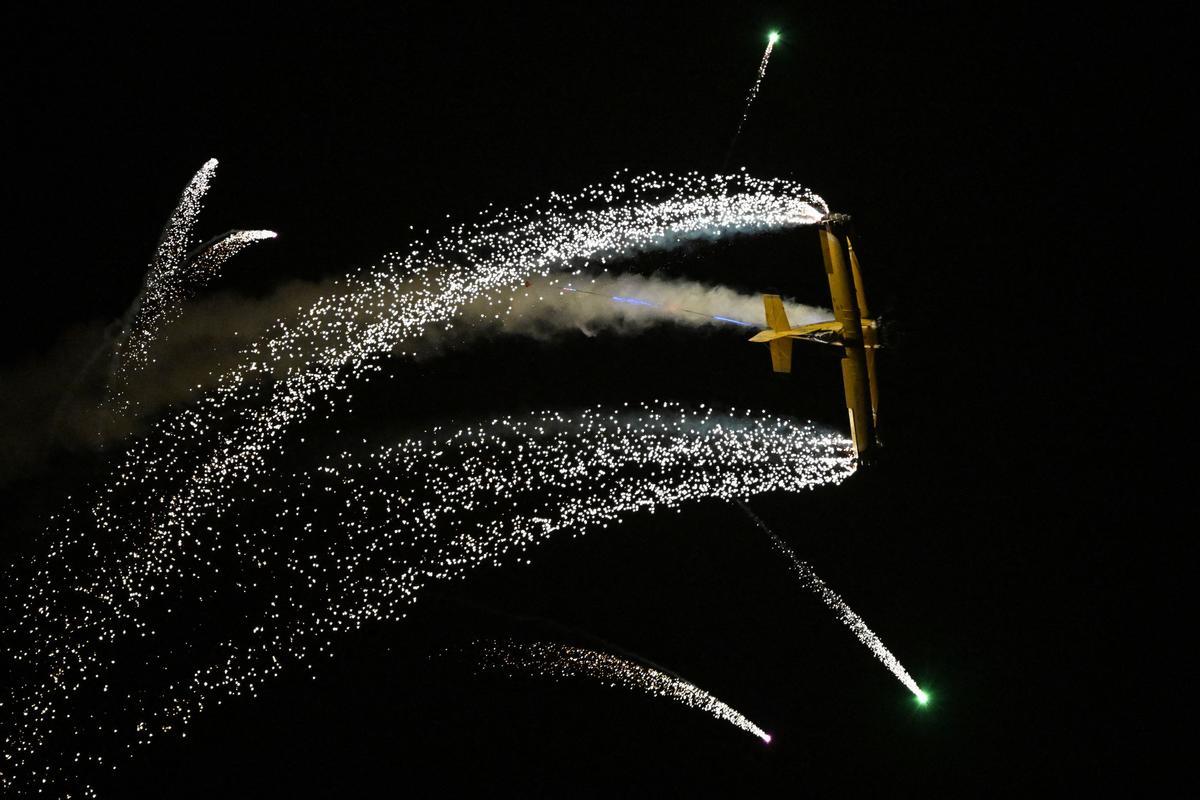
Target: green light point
x=922, y=697
x=774, y=37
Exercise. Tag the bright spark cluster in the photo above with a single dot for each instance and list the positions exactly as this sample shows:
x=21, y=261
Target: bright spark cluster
x=341, y=337
x=175, y=271
x=557, y=662
x=204, y=546
x=210, y=260
x=117, y=626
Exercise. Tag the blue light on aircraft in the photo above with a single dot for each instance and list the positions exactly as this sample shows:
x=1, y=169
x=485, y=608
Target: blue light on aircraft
x=635, y=301
x=734, y=321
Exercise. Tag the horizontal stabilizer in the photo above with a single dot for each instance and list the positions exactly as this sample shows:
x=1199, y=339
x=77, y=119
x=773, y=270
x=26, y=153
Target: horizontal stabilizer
x=803, y=332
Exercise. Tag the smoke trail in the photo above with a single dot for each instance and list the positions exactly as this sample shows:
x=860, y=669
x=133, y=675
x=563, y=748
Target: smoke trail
x=809, y=580
x=622, y=305
x=110, y=629
x=762, y=71
x=563, y=661
x=56, y=402
x=642, y=301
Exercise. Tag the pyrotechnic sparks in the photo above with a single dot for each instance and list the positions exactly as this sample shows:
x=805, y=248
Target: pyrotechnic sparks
x=758, y=79
x=175, y=270
x=341, y=336
x=562, y=661
x=211, y=258
x=811, y=581
x=119, y=609
x=338, y=547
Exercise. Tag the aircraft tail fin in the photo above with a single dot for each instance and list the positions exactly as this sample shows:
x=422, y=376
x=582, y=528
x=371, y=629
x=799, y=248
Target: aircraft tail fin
x=776, y=317
x=781, y=348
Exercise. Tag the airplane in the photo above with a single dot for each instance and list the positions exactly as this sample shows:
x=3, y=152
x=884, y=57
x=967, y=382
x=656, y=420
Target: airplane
x=852, y=328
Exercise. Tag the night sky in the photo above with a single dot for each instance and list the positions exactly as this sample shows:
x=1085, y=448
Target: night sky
x=989, y=546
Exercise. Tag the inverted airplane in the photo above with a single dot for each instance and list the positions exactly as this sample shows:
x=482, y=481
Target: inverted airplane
x=852, y=329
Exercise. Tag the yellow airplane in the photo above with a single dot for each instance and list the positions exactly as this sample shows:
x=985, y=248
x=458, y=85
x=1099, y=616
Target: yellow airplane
x=852, y=329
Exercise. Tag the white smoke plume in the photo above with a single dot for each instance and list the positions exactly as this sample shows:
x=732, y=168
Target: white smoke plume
x=628, y=304
x=46, y=406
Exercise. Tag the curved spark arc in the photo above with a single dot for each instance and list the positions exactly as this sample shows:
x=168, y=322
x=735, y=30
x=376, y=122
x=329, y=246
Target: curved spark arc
x=563, y=661
x=167, y=281
x=210, y=260
x=153, y=530
x=339, y=339
x=425, y=509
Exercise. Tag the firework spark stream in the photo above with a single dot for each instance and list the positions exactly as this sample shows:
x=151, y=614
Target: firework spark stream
x=343, y=335
x=109, y=621
x=175, y=270
x=811, y=581
x=758, y=79
x=318, y=553
x=562, y=661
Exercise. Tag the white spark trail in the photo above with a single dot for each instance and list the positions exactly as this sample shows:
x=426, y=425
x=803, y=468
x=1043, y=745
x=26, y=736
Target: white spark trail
x=169, y=281
x=316, y=553
x=762, y=71
x=341, y=336
x=210, y=260
x=183, y=524
x=811, y=581
x=561, y=661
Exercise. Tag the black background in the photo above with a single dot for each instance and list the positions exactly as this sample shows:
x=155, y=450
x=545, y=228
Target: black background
x=993, y=545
